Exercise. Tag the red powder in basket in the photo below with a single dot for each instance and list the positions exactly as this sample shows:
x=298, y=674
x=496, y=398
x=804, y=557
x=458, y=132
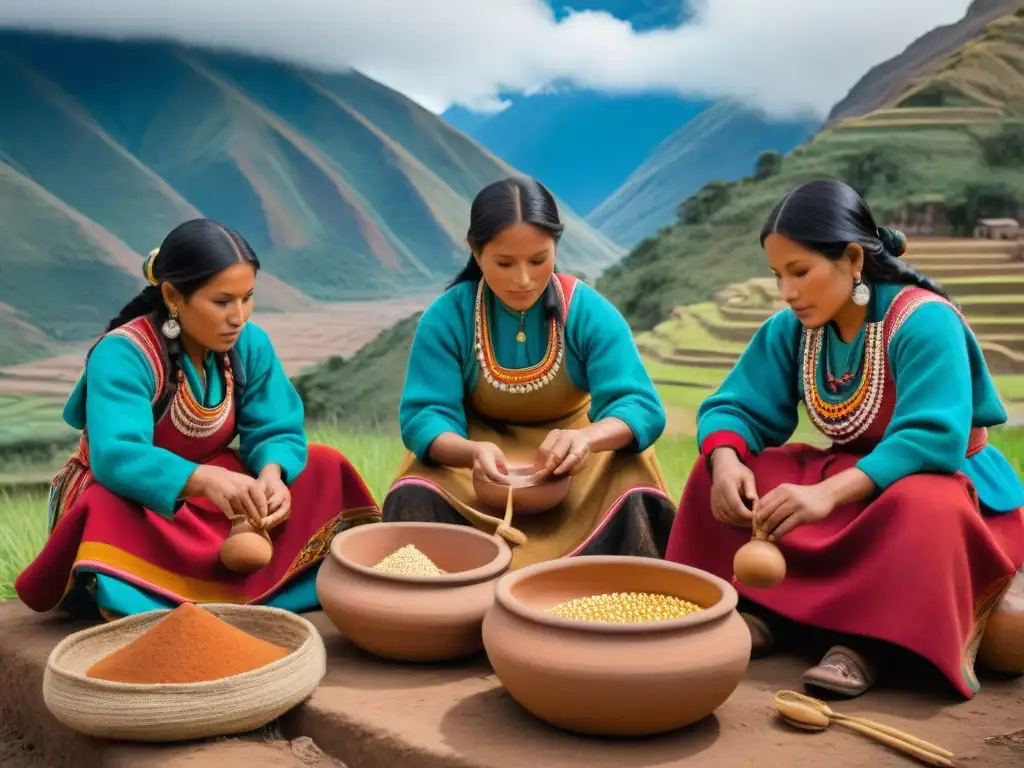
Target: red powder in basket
x=189, y=645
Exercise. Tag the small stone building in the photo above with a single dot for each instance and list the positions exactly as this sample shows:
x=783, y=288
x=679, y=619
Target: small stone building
x=998, y=229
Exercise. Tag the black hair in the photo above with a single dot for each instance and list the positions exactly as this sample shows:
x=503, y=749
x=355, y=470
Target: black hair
x=503, y=204
x=827, y=215
x=191, y=255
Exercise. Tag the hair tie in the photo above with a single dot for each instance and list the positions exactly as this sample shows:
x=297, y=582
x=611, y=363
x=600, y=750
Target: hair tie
x=147, y=267
x=894, y=241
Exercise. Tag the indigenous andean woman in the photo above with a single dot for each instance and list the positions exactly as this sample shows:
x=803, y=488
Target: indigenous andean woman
x=138, y=515
x=909, y=529
x=515, y=363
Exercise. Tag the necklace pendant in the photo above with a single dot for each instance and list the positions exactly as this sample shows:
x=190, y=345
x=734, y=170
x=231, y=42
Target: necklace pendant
x=521, y=337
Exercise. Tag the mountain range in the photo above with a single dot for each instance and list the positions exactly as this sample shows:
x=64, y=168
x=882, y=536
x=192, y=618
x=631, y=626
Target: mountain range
x=349, y=190
x=939, y=128
x=625, y=160
x=345, y=188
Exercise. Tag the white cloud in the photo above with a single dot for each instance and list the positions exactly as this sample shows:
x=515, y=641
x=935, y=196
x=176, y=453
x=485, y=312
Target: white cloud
x=785, y=56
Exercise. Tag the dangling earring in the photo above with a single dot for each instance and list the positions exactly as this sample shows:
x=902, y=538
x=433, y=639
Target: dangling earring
x=861, y=293
x=171, y=329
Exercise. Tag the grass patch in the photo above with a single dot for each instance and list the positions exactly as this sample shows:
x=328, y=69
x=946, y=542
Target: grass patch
x=22, y=533
x=708, y=311
x=31, y=420
x=1010, y=386
x=707, y=377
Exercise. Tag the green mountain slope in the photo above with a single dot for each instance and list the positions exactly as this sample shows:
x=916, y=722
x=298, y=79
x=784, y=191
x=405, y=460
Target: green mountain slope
x=953, y=139
x=347, y=189
x=971, y=161
x=723, y=141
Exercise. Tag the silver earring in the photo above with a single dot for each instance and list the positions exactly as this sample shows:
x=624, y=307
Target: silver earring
x=861, y=293
x=171, y=329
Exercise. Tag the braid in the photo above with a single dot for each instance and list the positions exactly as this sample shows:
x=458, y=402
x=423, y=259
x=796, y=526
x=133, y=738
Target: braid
x=549, y=300
x=887, y=266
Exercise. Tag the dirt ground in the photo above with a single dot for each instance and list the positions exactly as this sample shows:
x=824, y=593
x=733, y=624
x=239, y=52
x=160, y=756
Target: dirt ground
x=377, y=714
x=16, y=752
x=256, y=751
x=369, y=713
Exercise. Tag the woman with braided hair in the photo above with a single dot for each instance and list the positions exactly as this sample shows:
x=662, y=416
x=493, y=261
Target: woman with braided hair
x=908, y=531
x=139, y=513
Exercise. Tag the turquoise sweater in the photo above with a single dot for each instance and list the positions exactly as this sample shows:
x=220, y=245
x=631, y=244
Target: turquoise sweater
x=601, y=359
x=943, y=389
x=112, y=402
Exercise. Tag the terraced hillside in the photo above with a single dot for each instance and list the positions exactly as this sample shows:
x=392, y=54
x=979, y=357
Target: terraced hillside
x=699, y=342
x=951, y=139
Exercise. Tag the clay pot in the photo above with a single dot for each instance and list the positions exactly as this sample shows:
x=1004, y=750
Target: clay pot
x=246, y=550
x=611, y=679
x=530, y=496
x=1002, y=644
x=412, y=618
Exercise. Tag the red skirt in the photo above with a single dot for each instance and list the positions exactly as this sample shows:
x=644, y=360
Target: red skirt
x=179, y=558
x=917, y=566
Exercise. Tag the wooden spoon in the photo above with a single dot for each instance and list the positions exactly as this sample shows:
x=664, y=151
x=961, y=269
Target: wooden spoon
x=505, y=524
x=504, y=529
x=813, y=715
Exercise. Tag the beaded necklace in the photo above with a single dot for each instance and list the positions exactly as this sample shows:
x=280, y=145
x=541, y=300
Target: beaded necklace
x=847, y=420
x=192, y=418
x=516, y=380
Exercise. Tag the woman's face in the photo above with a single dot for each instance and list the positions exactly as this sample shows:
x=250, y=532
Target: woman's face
x=815, y=287
x=213, y=316
x=517, y=265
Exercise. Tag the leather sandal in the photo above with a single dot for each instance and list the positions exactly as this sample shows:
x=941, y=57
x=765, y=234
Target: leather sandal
x=762, y=641
x=842, y=671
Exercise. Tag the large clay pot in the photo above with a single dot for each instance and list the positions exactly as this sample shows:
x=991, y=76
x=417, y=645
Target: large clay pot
x=412, y=618
x=529, y=496
x=1002, y=644
x=610, y=679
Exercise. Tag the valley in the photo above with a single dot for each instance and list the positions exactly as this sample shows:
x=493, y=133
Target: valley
x=346, y=189
x=32, y=394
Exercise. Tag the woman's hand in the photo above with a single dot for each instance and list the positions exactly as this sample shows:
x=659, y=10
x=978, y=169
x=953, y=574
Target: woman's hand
x=489, y=461
x=563, y=450
x=732, y=482
x=784, y=508
x=279, y=498
x=234, y=494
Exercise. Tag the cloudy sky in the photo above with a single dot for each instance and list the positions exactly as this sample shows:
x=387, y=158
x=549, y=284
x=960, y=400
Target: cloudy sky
x=785, y=56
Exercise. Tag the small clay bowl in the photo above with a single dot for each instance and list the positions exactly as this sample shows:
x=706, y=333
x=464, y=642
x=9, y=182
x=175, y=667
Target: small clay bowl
x=529, y=495
x=610, y=679
x=412, y=618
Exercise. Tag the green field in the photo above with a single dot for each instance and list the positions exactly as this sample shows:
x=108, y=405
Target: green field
x=377, y=457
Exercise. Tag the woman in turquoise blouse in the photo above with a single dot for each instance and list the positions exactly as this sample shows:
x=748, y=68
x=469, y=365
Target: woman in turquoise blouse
x=139, y=513
x=908, y=530
x=517, y=363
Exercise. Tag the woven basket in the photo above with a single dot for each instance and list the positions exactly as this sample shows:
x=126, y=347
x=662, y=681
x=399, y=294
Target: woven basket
x=183, y=711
